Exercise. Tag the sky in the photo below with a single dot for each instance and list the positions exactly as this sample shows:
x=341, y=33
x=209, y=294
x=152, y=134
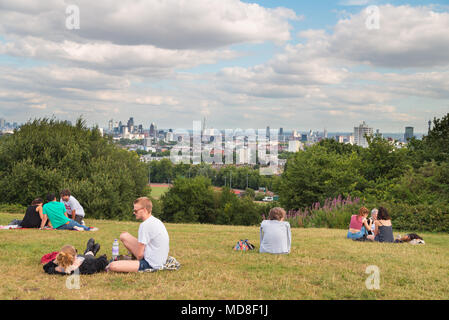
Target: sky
x=303, y=65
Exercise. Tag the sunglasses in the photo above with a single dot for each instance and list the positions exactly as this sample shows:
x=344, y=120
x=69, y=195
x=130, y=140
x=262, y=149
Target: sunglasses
x=135, y=211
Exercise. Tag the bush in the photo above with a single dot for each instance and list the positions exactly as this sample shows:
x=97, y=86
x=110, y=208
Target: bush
x=189, y=201
x=195, y=201
x=421, y=217
x=317, y=174
x=12, y=208
x=334, y=213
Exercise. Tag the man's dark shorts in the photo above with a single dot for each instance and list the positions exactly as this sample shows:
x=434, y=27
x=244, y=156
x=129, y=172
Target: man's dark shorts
x=144, y=265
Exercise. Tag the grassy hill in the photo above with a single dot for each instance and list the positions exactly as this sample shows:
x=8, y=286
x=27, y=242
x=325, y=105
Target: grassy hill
x=323, y=264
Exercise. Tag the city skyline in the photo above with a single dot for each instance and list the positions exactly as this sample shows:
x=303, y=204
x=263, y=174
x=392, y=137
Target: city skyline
x=285, y=130
x=242, y=64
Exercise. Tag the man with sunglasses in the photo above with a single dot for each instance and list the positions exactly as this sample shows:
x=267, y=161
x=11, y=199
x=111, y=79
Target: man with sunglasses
x=152, y=245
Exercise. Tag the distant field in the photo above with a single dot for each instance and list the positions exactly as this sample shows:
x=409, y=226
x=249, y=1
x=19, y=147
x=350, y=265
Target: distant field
x=157, y=190
x=322, y=265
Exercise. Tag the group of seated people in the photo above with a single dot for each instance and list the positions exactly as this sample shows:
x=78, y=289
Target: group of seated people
x=150, y=249
x=376, y=228
x=55, y=214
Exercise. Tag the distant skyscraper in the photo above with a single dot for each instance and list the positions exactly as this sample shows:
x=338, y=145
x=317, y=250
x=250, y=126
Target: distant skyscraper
x=130, y=124
x=325, y=133
x=111, y=125
x=430, y=124
x=153, y=130
x=203, y=125
x=2, y=123
x=360, y=134
x=408, y=133
x=268, y=131
x=169, y=136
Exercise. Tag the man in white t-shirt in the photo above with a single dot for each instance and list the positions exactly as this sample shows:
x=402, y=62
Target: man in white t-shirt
x=74, y=210
x=152, y=245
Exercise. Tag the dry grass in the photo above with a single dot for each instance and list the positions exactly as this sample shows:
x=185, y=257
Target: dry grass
x=323, y=264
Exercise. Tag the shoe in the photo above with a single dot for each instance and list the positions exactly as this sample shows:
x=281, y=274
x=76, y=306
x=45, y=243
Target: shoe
x=82, y=222
x=90, y=245
x=93, y=229
x=95, y=249
x=78, y=228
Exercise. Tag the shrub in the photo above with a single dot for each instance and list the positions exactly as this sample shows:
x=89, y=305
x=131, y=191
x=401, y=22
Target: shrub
x=12, y=208
x=334, y=213
x=189, y=201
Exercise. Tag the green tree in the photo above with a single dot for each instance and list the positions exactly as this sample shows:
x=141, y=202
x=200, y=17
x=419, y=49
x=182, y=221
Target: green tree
x=189, y=201
x=47, y=155
x=435, y=146
x=383, y=160
x=317, y=174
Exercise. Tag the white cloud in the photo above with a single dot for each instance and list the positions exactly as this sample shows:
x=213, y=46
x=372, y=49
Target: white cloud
x=408, y=37
x=171, y=24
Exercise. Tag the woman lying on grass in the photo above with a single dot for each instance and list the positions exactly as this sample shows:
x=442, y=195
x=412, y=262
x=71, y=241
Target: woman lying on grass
x=68, y=261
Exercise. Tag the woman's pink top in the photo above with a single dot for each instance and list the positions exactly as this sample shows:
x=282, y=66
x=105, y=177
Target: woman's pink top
x=356, y=222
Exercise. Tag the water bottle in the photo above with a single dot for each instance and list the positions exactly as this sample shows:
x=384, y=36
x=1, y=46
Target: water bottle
x=115, y=250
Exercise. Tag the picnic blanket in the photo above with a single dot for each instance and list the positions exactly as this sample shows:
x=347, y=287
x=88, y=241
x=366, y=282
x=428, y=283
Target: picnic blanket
x=46, y=258
x=15, y=226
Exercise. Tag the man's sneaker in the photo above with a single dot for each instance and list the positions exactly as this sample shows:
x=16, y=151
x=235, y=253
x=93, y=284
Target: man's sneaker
x=82, y=222
x=93, y=229
x=78, y=228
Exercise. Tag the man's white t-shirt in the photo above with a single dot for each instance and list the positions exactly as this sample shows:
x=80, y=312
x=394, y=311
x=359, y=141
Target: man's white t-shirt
x=73, y=204
x=154, y=236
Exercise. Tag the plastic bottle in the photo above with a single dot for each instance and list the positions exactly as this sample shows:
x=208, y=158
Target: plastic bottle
x=115, y=250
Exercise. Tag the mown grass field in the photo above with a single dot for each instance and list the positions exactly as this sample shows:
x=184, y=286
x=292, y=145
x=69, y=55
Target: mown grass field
x=158, y=191
x=323, y=264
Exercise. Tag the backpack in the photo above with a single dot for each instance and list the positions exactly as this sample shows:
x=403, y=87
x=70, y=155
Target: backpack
x=243, y=245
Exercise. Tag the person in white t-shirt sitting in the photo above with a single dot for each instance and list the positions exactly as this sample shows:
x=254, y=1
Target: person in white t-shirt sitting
x=275, y=233
x=152, y=245
x=74, y=210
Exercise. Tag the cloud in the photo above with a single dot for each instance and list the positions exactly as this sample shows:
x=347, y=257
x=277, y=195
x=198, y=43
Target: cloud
x=157, y=100
x=148, y=61
x=408, y=37
x=355, y=2
x=171, y=24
